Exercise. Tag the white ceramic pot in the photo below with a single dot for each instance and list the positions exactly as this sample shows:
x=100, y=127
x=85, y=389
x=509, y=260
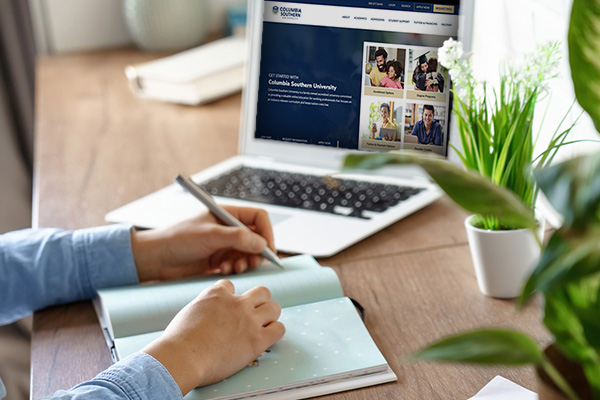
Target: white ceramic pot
x=503, y=260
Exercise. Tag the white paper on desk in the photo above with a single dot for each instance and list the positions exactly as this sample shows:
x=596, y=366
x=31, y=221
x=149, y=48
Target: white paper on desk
x=501, y=388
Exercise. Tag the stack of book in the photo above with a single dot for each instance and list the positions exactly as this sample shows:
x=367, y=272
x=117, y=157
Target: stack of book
x=192, y=77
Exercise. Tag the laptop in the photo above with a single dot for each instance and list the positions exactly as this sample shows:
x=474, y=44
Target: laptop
x=312, y=96
x=410, y=139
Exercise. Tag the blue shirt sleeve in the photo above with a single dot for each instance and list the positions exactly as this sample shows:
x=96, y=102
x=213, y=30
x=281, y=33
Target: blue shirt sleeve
x=417, y=128
x=139, y=376
x=437, y=133
x=44, y=267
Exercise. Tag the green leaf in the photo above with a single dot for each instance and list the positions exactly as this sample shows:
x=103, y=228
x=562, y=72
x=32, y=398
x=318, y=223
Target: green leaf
x=571, y=314
x=573, y=189
x=486, y=346
x=569, y=321
x=592, y=373
x=568, y=257
x=468, y=189
x=584, y=55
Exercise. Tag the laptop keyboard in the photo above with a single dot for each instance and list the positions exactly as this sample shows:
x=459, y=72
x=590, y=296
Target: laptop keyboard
x=346, y=197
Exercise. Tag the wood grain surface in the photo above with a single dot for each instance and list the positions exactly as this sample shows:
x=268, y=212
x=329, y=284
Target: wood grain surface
x=415, y=298
x=99, y=147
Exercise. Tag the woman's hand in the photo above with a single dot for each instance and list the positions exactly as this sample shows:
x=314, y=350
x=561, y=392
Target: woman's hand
x=202, y=245
x=217, y=334
x=373, y=129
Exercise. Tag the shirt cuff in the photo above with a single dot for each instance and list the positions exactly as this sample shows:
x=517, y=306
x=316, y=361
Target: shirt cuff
x=139, y=376
x=142, y=376
x=105, y=256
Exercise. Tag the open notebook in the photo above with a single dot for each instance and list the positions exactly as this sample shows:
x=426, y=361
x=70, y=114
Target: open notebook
x=326, y=347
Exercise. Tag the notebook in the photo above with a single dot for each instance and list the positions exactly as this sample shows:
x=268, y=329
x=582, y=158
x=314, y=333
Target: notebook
x=311, y=97
x=326, y=347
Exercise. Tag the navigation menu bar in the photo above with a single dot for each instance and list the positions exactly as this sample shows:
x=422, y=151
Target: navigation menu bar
x=361, y=18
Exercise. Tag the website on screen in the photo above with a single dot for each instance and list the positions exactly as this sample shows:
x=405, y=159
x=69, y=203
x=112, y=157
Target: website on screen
x=355, y=74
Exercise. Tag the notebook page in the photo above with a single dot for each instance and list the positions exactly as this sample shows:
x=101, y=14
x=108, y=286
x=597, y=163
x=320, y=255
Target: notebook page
x=148, y=308
x=324, y=341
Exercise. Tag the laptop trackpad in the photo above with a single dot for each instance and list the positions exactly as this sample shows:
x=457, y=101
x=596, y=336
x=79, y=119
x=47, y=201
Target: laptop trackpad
x=277, y=218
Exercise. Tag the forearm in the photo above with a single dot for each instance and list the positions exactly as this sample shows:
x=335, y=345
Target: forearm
x=44, y=267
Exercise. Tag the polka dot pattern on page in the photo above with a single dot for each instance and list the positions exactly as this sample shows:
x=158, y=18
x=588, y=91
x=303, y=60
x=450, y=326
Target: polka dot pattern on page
x=322, y=339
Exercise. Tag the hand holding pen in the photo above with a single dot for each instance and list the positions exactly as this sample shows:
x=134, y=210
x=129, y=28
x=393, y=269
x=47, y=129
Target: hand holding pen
x=221, y=214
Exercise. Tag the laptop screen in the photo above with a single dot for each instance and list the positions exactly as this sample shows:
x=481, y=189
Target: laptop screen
x=355, y=74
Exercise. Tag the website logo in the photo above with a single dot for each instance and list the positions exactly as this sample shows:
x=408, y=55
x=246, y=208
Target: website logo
x=288, y=12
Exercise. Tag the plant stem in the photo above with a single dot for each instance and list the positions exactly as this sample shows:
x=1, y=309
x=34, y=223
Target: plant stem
x=558, y=379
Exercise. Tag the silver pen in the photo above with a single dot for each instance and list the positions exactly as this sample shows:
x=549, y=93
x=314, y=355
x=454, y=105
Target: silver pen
x=221, y=213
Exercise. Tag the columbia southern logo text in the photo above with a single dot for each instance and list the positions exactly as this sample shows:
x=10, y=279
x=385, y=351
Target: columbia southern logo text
x=288, y=12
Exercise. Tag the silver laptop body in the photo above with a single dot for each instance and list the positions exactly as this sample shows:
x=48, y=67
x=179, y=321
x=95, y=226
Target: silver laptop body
x=310, y=142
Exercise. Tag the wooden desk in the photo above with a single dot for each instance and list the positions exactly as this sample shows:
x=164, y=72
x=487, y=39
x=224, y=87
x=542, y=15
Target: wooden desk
x=98, y=147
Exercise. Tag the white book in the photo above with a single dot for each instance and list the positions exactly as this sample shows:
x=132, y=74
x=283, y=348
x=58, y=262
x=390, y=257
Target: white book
x=194, y=76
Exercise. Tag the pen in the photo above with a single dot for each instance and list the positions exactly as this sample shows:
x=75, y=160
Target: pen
x=221, y=213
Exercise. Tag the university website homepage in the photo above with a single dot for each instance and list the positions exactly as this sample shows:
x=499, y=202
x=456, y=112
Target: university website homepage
x=355, y=74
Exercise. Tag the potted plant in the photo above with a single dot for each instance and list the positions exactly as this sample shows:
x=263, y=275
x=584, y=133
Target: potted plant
x=568, y=273
x=498, y=142
x=568, y=276
x=496, y=132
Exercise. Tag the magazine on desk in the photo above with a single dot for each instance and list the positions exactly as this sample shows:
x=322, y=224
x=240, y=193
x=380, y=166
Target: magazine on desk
x=326, y=347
